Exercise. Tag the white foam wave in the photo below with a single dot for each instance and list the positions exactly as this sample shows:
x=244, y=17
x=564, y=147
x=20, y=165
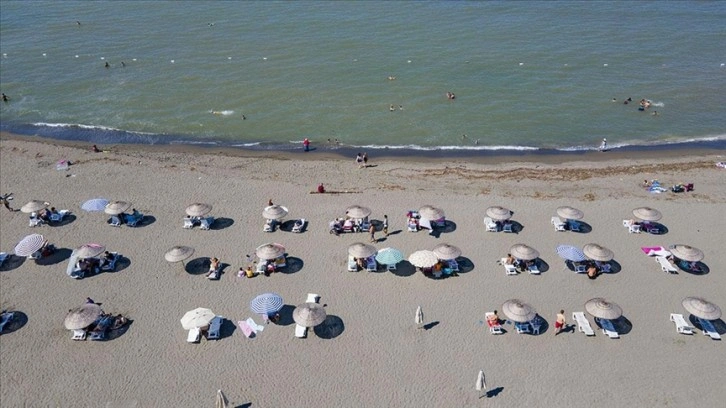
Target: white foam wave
x=89, y=127
x=448, y=148
x=246, y=144
x=222, y=113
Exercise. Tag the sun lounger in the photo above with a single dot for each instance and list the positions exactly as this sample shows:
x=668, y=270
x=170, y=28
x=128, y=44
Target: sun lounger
x=371, y=264
x=188, y=223
x=583, y=325
x=5, y=319
x=194, y=336
x=490, y=225
x=666, y=265
x=352, y=265
x=301, y=331
x=254, y=326
x=111, y=264
x=391, y=267
x=559, y=225
x=533, y=269
x=3, y=257
x=709, y=329
x=521, y=327
x=299, y=225
x=507, y=227
x=114, y=221
x=134, y=221
x=494, y=328
x=312, y=298
x=608, y=328
x=269, y=226
x=510, y=269
x=412, y=227
x=574, y=225
x=634, y=228
x=603, y=267
x=216, y=274
x=682, y=325
x=206, y=223
x=260, y=268
x=35, y=221
x=58, y=217
x=79, y=335
x=454, y=265
x=364, y=226
x=580, y=268
x=97, y=335
x=214, y=327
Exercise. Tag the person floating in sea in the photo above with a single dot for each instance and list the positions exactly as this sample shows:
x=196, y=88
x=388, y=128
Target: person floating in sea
x=450, y=95
x=391, y=108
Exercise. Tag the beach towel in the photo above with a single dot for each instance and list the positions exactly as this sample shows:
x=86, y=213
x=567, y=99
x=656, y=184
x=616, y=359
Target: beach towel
x=246, y=329
x=254, y=326
x=655, y=251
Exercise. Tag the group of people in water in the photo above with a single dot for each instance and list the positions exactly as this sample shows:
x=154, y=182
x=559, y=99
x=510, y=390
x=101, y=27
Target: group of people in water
x=643, y=104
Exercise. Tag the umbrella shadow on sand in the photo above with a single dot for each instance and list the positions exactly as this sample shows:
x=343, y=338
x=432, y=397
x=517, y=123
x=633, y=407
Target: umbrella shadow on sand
x=121, y=263
x=615, y=267
x=293, y=265
x=12, y=262
x=65, y=221
x=622, y=325
x=449, y=227
x=58, y=256
x=286, y=316
x=404, y=269
x=542, y=265
x=718, y=324
x=146, y=221
x=227, y=329
x=19, y=320
x=585, y=228
x=197, y=266
x=114, y=334
x=701, y=269
x=465, y=265
x=330, y=328
x=221, y=223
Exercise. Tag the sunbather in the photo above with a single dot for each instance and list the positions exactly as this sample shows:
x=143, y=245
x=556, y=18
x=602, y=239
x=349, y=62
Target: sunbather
x=493, y=319
x=213, y=267
x=592, y=271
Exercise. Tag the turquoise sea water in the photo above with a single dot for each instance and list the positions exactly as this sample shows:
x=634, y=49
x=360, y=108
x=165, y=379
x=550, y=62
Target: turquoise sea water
x=268, y=74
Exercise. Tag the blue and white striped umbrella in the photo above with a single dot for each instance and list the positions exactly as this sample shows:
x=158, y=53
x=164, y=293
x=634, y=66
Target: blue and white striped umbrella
x=29, y=244
x=389, y=256
x=95, y=205
x=570, y=253
x=266, y=303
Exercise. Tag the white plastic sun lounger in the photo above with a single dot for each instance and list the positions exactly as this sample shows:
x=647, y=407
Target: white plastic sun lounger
x=79, y=335
x=709, y=329
x=559, y=225
x=608, y=328
x=312, y=298
x=194, y=335
x=583, y=325
x=682, y=325
x=490, y=225
x=188, y=223
x=510, y=269
x=666, y=265
x=301, y=331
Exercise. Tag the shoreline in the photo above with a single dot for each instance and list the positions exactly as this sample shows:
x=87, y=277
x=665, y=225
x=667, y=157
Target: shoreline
x=684, y=150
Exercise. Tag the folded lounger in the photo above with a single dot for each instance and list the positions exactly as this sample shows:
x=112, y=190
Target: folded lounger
x=312, y=298
x=682, y=325
x=194, y=336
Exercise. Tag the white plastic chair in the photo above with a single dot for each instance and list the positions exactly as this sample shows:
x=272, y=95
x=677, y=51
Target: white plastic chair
x=682, y=325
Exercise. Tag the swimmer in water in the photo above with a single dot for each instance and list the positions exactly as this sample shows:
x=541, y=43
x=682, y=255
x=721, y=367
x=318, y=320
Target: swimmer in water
x=123, y=64
x=391, y=78
x=5, y=98
x=107, y=65
x=391, y=108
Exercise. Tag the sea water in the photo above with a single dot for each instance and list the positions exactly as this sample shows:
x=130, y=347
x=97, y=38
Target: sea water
x=526, y=75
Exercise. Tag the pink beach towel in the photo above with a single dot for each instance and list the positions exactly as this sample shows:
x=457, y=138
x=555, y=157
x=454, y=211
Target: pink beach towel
x=655, y=251
x=246, y=329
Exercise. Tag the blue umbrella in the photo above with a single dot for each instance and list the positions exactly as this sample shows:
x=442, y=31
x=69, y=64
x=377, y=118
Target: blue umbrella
x=266, y=303
x=95, y=205
x=389, y=256
x=570, y=253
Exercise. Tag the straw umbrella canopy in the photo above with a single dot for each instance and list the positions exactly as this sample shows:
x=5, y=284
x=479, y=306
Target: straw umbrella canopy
x=524, y=252
x=309, y=314
x=29, y=245
x=702, y=308
x=647, y=214
x=518, y=311
x=570, y=253
x=357, y=211
x=687, y=253
x=33, y=206
x=274, y=212
x=82, y=316
x=570, y=213
x=431, y=213
x=198, y=209
x=178, y=253
x=447, y=251
x=603, y=309
x=361, y=250
x=598, y=253
x=498, y=213
x=423, y=259
x=116, y=207
x=197, y=318
x=89, y=250
x=270, y=251
x=94, y=205
x=389, y=256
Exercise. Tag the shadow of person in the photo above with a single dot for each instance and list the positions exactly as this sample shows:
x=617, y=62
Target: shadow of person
x=197, y=266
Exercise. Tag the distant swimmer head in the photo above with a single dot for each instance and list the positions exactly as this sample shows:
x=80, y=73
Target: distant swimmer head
x=107, y=65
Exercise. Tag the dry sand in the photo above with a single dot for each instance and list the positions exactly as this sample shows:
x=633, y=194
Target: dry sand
x=380, y=359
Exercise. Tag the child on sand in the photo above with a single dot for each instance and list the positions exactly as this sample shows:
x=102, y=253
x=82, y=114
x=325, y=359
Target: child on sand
x=560, y=322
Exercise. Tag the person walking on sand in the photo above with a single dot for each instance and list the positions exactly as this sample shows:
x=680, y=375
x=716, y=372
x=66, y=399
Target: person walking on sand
x=359, y=160
x=385, y=225
x=373, y=233
x=269, y=203
x=306, y=145
x=560, y=322
x=365, y=159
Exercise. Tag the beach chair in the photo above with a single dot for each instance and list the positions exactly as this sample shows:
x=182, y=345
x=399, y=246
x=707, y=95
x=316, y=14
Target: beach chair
x=412, y=227
x=634, y=228
x=510, y=269
x=97, y=335
x=58, y=217
x=352, y=265
x=299, y=226
x=521, y=327
x=507, y=227
x=574, y=225
x=490, y=225
x=364, y=226
x=3, y=257
x=348, y=226
x=114, y=221
x=269, y=226
x=608, y=328
x=260, y=269
x=79, y=335
x=454, y=265
x=666, y=265
x=206, y=223
x=583, y=325
x=214, y=328
x=709, y=329
x=134, y=221
x=5, y=319
x=682, y=325
x=301, y=331
x=195, y=335
x=493, y=328
x=536, y=324
x=312, y=298
x=435, y=274
x=603, y=267
x=111, y=265
x=188, y=223
x=559, y=225
x=533, y=269
x=580, y=268
x=35, y=221
x=391, y=267
x=371, y=265
x=216, y=274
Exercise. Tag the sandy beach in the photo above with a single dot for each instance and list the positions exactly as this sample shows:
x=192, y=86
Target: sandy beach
x=378, y=357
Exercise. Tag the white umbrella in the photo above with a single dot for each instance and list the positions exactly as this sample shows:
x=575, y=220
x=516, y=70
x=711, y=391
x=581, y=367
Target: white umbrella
x=274, y=212
x=89, y=250
x=309, y=314
x=178, y=253
x=518, y=311
x=198, y=209
x=423, y=259
x=598, y=253
x=270, y=251
x=687, y=253
x=29, y=245
x=431, y=213
x=361, y=250
x=447, y=251
x=601, y=308
x=570, y=213
x=480, y=384
x=33, y=206
x=197, y=318
x=116, y=207
x=647, y=214
x=94, y=205
x=524, y=252
x=702, y=308
x=419, y=316
x=498, y=213
x=356, y=211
